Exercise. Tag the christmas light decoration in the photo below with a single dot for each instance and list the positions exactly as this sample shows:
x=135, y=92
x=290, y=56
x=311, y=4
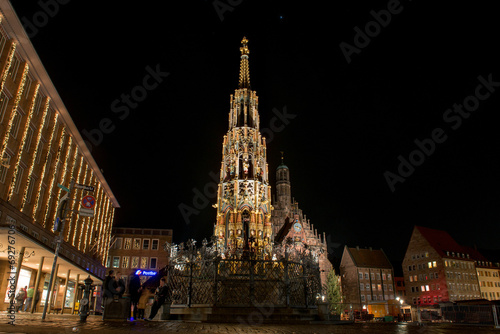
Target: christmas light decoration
x=37, y=148
x=19, y=94
x=44, y=165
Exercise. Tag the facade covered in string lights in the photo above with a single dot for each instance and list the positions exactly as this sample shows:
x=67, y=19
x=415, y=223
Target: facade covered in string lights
x=41, y=148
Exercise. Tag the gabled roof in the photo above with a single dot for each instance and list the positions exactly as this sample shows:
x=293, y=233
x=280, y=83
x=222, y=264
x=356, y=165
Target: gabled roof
x=373, y=258
x=441, y=241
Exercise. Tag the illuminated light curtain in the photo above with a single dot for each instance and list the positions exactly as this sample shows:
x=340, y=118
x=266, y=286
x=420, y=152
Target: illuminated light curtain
x=98, y=210
x=38, y=149
x=10, y=123
x=90, y=221
x=22, y=147
x=75, y=167
x=104, y=220
x=73, y=164
x=84, y=221
x=46, y=162
x=52, y=177
x=62, y=179
x=80, y=178
x=7, y=67
x=107, y=231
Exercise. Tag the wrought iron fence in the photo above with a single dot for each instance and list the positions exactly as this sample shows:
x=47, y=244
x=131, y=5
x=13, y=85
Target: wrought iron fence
x=204, y=276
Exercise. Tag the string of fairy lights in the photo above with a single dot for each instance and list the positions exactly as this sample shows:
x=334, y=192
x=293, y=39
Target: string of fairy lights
x=55, y=159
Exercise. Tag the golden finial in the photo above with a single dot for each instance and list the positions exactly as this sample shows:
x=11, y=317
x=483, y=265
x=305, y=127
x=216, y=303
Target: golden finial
x=244, y=71
x=244, y=47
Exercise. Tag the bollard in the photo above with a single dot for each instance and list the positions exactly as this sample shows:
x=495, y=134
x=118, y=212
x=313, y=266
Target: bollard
x=85, y=301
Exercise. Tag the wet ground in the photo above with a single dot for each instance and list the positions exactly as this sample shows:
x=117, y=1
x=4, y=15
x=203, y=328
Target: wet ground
x=32, y=323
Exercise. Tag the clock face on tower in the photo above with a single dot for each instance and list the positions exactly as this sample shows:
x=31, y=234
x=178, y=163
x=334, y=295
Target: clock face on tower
x=297, y=227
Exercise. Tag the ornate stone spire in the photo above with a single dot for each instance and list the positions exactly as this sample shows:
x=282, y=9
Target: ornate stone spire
x=244, y=70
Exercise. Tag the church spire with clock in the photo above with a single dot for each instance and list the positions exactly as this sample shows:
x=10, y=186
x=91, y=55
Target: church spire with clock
x=244, y=195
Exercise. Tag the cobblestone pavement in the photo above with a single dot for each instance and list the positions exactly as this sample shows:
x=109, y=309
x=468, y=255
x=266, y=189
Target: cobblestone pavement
x=32, y=323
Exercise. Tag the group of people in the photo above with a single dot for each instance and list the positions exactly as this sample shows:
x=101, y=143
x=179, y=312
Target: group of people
x=114, y=287
x=24, y=297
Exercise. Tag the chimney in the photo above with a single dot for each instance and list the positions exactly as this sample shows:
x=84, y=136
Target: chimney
x=357, y=247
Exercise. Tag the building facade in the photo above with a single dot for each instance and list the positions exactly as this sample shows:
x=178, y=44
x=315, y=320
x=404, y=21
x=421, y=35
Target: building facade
x=437, y=269
x=41, y=152
x=288, y=221
x=138, y=251
x=367, y=277
x=400, y=289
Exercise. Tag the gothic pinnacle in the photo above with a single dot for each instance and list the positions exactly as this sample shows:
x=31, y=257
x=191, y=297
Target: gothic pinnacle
x=244, y=69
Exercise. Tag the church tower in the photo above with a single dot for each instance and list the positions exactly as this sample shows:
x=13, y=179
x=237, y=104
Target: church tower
x=243, y=199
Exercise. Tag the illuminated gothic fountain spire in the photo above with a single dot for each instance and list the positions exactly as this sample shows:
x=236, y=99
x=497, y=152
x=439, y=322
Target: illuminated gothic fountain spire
x=243, y=201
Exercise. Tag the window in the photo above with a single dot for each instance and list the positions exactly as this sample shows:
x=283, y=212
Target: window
x=379, y=287
x=362, y=298
x=116, y=261
x=128, y=243
x=125, y=260
x=361, y=286
x=4, y=100
x=389, y=276
x=145, y=243
x=154, y=244
x=18, y=179
x=137, y=243
x=14, y=67
x=366, y=276
x=118, y=243
x=153, y=263
x=367, y=287
x=144, y=262
x=373, y=276
x=3, y=167
x=434, y=264
x=378, y=276
x=135, y=262
x=374, y=297
x=384, y=277
x=411, y=278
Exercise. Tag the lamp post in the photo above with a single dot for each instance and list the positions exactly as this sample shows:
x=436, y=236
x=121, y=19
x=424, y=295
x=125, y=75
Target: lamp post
x=58, y=228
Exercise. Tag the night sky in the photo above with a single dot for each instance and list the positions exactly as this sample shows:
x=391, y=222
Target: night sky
x=348, y=119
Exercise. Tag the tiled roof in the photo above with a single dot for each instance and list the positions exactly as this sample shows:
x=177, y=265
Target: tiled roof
x=374, y=258
x=442, y=242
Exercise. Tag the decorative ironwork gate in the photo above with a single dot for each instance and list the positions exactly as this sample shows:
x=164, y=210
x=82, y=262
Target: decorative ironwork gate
x=204, y=278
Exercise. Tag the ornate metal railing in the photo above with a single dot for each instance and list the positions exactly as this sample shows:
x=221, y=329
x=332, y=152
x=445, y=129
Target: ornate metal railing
x=205, y=276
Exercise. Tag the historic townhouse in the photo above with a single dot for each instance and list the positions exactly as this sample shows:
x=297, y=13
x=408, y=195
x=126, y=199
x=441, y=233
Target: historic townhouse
x=437, y=269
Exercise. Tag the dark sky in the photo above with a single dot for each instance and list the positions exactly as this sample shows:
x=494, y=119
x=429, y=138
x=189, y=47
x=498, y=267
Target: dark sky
x=351, y=120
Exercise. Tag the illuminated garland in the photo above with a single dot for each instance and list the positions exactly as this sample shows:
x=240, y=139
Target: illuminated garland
x=93, y=225
x=7, y=67
x=109, y=236
x=103, y=221
x=19, y=94
x=44, y=163
x=74, y=219
x=67, y=226
x=21, y=151
x=80, y=226
x=88, y=225
x=98, y=217
x=53, y=176
x=37, y=147
x=107, y=233
x=62, y=178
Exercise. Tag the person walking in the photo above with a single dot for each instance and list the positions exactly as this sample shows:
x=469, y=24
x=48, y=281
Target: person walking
x=134, y=289
x=108, y=287
x=29, y=298
x=143, y=301
x=120, y=285
x=20, y=299
x=37, y=299
x=161, y=295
